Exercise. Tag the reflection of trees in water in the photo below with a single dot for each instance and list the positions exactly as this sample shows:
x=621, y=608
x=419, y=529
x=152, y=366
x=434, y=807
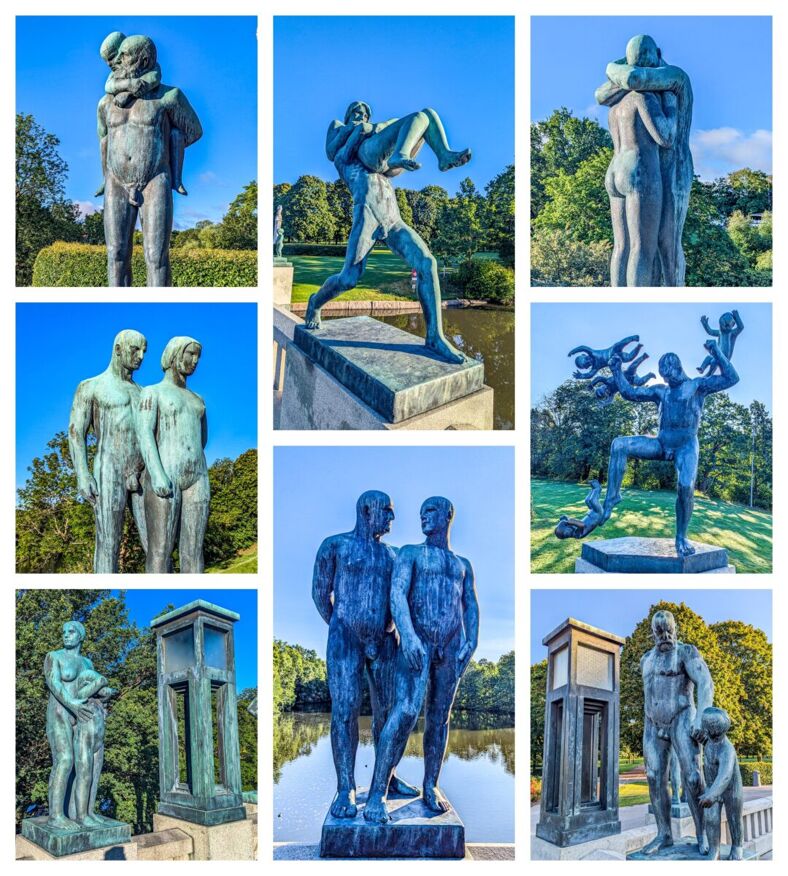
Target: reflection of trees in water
x=473, y=736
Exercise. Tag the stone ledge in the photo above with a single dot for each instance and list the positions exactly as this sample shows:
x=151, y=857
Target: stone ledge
x=171, y=844
x=634, y=554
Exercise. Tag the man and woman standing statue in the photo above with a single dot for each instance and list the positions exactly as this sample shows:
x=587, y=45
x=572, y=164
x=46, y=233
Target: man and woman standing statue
x=149, y=455
x=408, y=618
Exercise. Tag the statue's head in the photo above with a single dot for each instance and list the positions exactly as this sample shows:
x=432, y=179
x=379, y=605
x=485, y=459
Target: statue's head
x=110, y=46
x=603, y=392
x=436, y=515
x=642, y=51
x=715, y=722
x=727, y=322
x=374, y=513
x=566, y=528
x=663, y=629
x=136, y=55
x=73, y=634
x=671, y=370
x=182, y=354
x=129, y=349
x=358, y=111
x=584, y=361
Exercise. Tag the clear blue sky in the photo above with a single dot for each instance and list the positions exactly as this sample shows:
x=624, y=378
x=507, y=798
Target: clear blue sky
x=315, y=493
x=619, y=611
x=144, y=605
x=663, y=328
x=463, y=67
x=60, y=78
x=58, y=345
x=728, y=59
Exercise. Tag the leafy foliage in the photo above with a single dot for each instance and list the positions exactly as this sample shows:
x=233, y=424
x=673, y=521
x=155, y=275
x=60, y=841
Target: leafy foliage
x=238, y=229
x=557, y=259
x=486, y=279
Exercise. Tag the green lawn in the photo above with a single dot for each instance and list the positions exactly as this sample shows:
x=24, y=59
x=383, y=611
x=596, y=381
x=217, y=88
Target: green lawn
x=244, y=563
x=747, y=534
x=633, y=793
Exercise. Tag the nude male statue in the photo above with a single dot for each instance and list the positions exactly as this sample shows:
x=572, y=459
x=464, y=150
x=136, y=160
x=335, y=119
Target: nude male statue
x=435, y=609
x=350, y=588
x=106, y=405
x=672, y=672
x=136, y=146
x=172, y=428
x=366, y=155
x=75, y=731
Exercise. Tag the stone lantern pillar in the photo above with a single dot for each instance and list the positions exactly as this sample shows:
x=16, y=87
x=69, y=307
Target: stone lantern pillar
x=581, y=736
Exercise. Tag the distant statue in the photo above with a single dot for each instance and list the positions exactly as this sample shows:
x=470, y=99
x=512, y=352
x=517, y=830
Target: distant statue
x=106, y=405
x=350, y=588
x=730, y=327
x=76, y=714
x=436, y=613
x=723, y=785
x=172, y=430
x=366, y=155
x=650, y=175
x=279, y=233
x=144, y=128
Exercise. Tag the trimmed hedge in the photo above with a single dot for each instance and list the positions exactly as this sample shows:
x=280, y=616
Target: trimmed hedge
x=82, y=264
x=487, y=279
x=764, y=767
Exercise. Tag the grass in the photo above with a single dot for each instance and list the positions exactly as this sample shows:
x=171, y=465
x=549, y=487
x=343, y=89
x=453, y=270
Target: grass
x=633, y=793
x=745, y=532
x=244, y=563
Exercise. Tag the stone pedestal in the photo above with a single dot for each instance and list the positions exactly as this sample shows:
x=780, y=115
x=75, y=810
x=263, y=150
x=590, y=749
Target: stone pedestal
x=413, y=832
x=111, y=841
x=219, y=842
x=656, y=556
x=283, y=283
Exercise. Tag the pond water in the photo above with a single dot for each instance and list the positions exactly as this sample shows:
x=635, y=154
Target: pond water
x=477, y=775
x=485, y=333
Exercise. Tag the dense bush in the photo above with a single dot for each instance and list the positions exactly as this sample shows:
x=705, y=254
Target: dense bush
x=557, y=259
x=486, y=279
x=764, y=767
x=80, y=264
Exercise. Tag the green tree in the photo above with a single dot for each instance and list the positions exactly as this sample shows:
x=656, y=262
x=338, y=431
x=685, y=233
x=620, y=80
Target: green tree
x=307, y=213
x=460, y=232
x=538, y=701
x=239, y=224
x=247, y=739
x=405, y=210
x=558, y=260
x=232, y=522
x=93, y=228
x=499, y=214
x=749, y=191
x=426, y=206
x=340, y=204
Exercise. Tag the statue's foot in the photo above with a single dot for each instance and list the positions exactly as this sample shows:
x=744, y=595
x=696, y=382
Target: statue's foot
x=737, y=854
x=180, y=189
x=656, y=845
x=312, y=316
x=99, y=191
x=434, y=799
x=400, y=788
x=375, y=811
x=90, y=821
x=703, y=846
x=684, y=548
x=454, y=159
x=444, y=349
x=344, y=806
x=60, y=822
x=403, y=161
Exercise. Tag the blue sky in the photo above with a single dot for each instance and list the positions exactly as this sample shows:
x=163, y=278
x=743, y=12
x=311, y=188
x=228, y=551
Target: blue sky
x=728, y=59
x=463, y=67
x=144, y=605
x=619, y=611
x=60, y=78
x=315, y=493
x=58, y=345
x=558, y=328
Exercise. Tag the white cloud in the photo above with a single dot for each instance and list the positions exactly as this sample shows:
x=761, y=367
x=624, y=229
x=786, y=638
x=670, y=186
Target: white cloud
x=721, y=150
x=87, y=208
x=597, y=112
x=208, y=176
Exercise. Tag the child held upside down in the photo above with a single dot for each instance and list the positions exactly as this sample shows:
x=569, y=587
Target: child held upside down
x=570, y=527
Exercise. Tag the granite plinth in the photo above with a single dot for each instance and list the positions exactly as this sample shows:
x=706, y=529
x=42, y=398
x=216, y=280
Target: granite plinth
x=685, y=849
x=652, y=555
x=208, y=814
x=413, y=832
x=59, y=842
x=283, y=283
x=390, y=370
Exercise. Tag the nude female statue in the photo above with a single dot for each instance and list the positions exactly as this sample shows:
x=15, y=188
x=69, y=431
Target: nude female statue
x=172, y=429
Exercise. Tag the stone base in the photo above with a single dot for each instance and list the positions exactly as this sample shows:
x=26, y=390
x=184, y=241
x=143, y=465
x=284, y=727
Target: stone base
x=634, y=555
x=413, y=832
x=221, y=842
x=314, y=399
x=577, y=829
x=111, y=841
x=205, y=817
x=388, y=369
x=684, y=849
x=283, y=284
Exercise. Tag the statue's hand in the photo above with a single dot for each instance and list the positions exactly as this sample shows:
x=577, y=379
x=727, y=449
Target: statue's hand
x=88, y=489
x=707, y=800
x=697, y=732
x=84, y=713
x=413, y=651
x=464, y=657
x=161, y=486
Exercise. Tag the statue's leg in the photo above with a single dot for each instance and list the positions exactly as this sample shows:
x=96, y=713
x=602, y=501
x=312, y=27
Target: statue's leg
x=620, y=256
x=98, y=765
x=409, y=692
x=622, y=448
x=733, y=800
x=360, y=242
x=656, y=754
x=156, y=212
x=398, y=143
x=194, y=520
x=60, y=735
x=109, y=509
x=410, y=247
x=675, y=778
x=643, y=209
x=688, y=752
x=667, y=236
x=119, y=220
x=161, y=519
x=84, y=748
x=344, y=671
x=686, y=475
x=137, y=504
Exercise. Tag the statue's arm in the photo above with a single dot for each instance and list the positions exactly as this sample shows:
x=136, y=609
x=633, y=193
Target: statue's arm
x=101, y=121
x=704, y=321
x=183, y=116
x=728, y=375
x=204, y=427
x=94, y=687
x=727, y=763
x=54, y=683
x=146, y=422
x=666, y=78
x=696, y=668
x=79, y=424
x=470, y=615
x=739, y=324
x=336, y=137
x=323, y=579
x=609, y=94
x=660, y=122
x=630, y=392
x=401, y=580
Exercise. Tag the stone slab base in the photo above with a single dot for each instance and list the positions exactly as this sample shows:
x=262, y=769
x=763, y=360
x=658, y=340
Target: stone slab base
x=164, y=845
x=283, y=285
x=109, y=838
x=25, y=850
x=684, y=849
x=473, y=852
x=635, y=555
x=219, y=842
x=207, y=817
x=583, y=567
x=413, y=832
x=314, y=399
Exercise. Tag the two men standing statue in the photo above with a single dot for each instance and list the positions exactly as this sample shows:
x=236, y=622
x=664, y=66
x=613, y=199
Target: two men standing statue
x=144, y=127
x=149, y=455
x=650, y=175
x=409, y=617
x=675, y=675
